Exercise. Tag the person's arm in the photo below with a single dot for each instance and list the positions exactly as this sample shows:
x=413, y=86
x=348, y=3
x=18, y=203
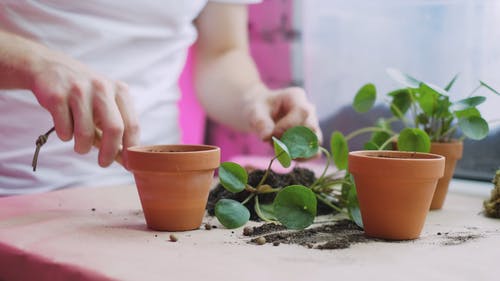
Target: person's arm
x=78, y=99
x=228, y=84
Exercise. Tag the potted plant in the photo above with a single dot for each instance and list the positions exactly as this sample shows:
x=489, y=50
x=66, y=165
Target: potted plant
x=431, y=122
x=394, y=190
x=173, y=182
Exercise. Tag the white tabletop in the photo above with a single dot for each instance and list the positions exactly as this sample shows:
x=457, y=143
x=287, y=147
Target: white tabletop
x=58, y=236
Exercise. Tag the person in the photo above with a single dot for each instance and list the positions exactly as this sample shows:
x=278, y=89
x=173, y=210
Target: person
x=112, y=66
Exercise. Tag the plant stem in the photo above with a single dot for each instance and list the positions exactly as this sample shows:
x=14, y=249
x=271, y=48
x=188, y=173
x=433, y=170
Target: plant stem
x=258, y=211
x=475, y=90
x=329, y=204
x=386, y=143
x=248, y=198
x=399, y=113
x=367, y=130
x=266, y=174
x=449, y=132
x=413, y=108
x=328, y=156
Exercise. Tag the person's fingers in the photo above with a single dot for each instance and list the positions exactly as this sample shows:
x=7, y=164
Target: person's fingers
x=291, y=108
x=81, y=110
x=312, y=122
x=292, y=111
x=260, y=120
x=131, y=124
x=61, y=115
x=109, y=120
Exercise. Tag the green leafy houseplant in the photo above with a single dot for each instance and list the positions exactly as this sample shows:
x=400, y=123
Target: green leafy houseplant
x=426, y=111
x=294, y=206
x=431, y=122
x=492, y=204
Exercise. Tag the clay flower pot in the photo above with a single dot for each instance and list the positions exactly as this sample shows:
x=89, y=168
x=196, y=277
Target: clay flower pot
x=452, y=151
x=395, y=190
x=173, y=182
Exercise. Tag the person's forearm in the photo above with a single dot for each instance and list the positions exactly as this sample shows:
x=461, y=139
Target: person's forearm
x=224, y=83
x=15, y=61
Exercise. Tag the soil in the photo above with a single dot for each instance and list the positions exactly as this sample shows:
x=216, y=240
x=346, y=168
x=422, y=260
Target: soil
x=339, y=235
x=298, y=175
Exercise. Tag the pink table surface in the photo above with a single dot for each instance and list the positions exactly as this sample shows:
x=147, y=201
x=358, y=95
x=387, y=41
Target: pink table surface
x=58, y=236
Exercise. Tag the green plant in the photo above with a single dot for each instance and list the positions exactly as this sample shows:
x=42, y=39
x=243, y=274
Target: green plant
x=492, y=204
x=426, y=112
x=294, y=206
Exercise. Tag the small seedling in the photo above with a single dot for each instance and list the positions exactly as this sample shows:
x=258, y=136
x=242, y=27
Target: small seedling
x=294, y=206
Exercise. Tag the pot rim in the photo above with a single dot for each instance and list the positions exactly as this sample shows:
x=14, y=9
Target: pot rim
x=385, y=155
x=193, y=148
x=421, y=165
x=188, y=157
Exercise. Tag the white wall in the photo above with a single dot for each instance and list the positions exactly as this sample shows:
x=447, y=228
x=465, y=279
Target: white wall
x=347, y=43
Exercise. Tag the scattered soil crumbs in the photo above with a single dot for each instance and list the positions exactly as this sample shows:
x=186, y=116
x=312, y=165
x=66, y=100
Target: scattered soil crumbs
x=452, y=239
x=339, y=235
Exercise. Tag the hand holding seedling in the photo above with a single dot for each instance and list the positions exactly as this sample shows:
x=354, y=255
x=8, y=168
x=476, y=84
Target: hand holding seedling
x=272, y=112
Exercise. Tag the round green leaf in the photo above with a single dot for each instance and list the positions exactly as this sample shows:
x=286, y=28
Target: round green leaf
x=401, y=102
x=403, y=78
x=365, y=98
x=281, y=151
x=468, y=103
x=301, y=142
x=474, y=127
x=427, y=98
x=295, y=207
x=339, y=149
x=412, y=139
x=233, y=177
x=467, y=113
x=231, y=213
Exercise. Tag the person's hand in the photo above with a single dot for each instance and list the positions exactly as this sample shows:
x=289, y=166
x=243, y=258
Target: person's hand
x=272, y=112
x=83, y=103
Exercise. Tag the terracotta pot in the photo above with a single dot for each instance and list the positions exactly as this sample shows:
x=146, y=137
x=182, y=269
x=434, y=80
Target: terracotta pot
x=173, y=182
x=452, y=151
x=395, y=190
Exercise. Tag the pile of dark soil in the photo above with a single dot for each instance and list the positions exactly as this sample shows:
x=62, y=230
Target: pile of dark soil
x=298, y=175
x=339, y=235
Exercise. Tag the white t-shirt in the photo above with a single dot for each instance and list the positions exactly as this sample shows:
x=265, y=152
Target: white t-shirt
x=141, y=42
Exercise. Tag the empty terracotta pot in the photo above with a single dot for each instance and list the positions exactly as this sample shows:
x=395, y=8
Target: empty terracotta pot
x=173, y=182
x=395, y=190
x=452, y=152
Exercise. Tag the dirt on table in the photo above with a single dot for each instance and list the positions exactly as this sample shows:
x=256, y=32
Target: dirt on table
x=338, y=235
